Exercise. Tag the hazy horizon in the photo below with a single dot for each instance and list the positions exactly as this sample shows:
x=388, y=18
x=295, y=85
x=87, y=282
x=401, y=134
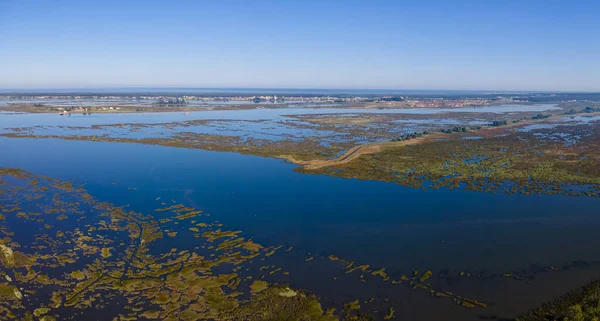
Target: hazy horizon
x=400, y=90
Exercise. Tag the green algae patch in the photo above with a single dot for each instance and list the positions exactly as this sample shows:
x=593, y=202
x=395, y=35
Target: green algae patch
x=352, y=305
x=428, y=274
x=381, y=273
x=78, y=275
x=9, y=293
x=153, y=314
x=390, y=314
x=273, y=250
x=258, y=286
x=157, y=279
x=270, y=305
x=162, y=298
x=7, y=255
x=106, y=253
x=288, y=293
x=40, y=311
x=251, y=246
x=580, y=304
x=362, y=268
x=17, y=293
x=215, y=235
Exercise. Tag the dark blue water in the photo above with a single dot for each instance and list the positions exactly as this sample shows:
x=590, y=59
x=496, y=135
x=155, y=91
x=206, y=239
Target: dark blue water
x=377, y=223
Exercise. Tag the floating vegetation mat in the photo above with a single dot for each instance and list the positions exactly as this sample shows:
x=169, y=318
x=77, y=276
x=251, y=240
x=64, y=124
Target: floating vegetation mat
x=562, y=159
x=579, y=304
x=65, y=255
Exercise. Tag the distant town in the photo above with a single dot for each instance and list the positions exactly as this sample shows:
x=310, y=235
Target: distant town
x=136, y=102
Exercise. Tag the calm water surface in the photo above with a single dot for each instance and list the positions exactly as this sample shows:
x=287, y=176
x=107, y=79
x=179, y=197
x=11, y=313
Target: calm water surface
x=377, y=223
x=26, y=120
x=382, y=224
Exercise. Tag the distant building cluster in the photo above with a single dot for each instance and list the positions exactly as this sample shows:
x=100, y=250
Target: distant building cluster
x=370, y=100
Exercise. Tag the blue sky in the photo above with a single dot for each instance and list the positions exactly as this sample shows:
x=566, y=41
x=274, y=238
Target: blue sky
x=462, y=45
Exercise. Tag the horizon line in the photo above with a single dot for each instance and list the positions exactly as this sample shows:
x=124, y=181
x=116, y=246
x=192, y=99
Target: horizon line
x=105, y=88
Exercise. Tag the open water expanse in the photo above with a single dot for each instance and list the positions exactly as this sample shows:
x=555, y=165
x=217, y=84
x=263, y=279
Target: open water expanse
x=381, y=224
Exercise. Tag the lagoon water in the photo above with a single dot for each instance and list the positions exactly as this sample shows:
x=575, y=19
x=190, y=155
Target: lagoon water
x=377, y=223
x=381, y=224
x=26, y=120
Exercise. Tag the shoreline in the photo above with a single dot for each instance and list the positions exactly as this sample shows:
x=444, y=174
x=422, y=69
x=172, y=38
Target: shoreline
x=378, y=147
x=304, y=155
x=144, y=108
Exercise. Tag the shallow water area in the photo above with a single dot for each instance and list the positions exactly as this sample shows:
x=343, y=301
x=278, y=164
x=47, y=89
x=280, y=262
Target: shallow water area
x=474, y=243
x=253, y=127
x=269, y=204
x=27, y=120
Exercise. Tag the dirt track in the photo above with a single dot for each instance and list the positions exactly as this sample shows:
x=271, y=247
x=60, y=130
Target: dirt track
x=373, y=148
x=356, y=152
